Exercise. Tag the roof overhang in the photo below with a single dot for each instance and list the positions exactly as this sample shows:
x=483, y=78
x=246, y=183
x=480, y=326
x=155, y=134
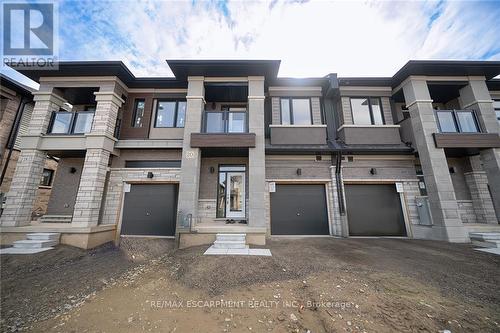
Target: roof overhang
x=365, y=81
x=488, y=69
x=99, y=68
x=224, y=68
x=11, y=84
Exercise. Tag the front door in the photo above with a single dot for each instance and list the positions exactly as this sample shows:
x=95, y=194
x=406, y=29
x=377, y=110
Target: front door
x=235, y=196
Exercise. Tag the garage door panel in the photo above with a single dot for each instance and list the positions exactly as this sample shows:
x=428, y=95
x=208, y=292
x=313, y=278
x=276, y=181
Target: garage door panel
x=150, y=210
x=374, y=210
x=299, y=210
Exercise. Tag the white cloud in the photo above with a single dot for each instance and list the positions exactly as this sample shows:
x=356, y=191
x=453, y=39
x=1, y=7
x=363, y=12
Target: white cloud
x=355, y=38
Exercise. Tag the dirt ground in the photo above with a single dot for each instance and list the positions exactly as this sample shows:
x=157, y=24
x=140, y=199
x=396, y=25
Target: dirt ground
x=315, y=285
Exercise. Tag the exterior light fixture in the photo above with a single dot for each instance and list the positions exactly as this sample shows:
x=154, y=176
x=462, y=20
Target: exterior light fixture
x=211, y=169
x=150, y=174
x=373, y=171
x=299, y=172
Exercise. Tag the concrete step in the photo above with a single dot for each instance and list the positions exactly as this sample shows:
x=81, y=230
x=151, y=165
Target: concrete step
x=489, y=243
x=56, y=219
x=485, y=236
x=230, y=245
x=44, y=236
x=34, y=244
x=231, y=237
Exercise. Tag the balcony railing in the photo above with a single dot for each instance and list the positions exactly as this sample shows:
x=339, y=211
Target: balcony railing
x=64, y=122
x=225, y=122
x=457, y=121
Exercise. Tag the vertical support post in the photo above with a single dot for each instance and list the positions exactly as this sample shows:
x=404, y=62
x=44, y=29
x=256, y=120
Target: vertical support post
x=191, y=157
x=256, y=156
x=442, y=200
x=476, y=96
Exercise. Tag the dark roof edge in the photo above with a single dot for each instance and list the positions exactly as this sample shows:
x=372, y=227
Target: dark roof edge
x=16, y=86
x=365, y=81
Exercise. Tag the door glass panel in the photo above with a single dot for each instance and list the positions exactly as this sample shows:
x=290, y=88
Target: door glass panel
x=467, y=122
x=236, y=193
x=62, y=122
x=241, y=168
x=237, y=122
x=215, y=123
x=446, y=122
x=221, y=195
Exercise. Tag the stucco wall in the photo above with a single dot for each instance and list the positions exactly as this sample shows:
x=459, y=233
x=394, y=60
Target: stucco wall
x=65, y=187
x=460, y=166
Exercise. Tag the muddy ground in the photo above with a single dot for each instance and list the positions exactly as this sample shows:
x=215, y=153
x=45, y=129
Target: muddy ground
x=320, y=285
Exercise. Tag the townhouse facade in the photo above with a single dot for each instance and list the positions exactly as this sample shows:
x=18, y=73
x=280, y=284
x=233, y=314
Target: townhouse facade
x=230, y=147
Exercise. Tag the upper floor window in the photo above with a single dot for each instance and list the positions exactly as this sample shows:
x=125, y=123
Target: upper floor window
x=296, y=111
x=496, y=106
x=138, y=113
x=47, y=176
x=170, y=114
x=451, y=121
x=367, y=111
x=64, y=122
x=230, y=119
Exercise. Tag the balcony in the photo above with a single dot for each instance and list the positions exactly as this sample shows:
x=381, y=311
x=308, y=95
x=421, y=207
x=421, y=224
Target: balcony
x=71, y=123
x=369, y=134
x=461, y=129
x=225, y=128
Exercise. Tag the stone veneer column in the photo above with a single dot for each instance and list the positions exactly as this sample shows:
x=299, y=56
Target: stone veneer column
x=99, y=146
x=442, y=200
x=29, y=168
x=191, y=157
x=477, y=182
x=476, y=96
x=256, y=156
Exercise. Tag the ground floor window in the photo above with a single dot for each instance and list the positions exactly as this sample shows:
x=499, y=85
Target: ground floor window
x=231, y=191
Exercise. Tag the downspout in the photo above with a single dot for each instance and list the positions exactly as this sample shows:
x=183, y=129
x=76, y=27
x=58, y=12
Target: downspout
x=338, y=179
x=12, y=135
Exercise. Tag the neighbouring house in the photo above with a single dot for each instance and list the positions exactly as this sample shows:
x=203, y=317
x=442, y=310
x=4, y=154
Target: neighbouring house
x=227, y=146
x=15, y=114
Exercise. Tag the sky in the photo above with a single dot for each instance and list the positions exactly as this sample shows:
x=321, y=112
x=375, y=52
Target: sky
x=311, y=38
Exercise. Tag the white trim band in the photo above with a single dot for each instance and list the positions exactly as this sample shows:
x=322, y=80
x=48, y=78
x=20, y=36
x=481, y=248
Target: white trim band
x=419, y=101
x=367, y=126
